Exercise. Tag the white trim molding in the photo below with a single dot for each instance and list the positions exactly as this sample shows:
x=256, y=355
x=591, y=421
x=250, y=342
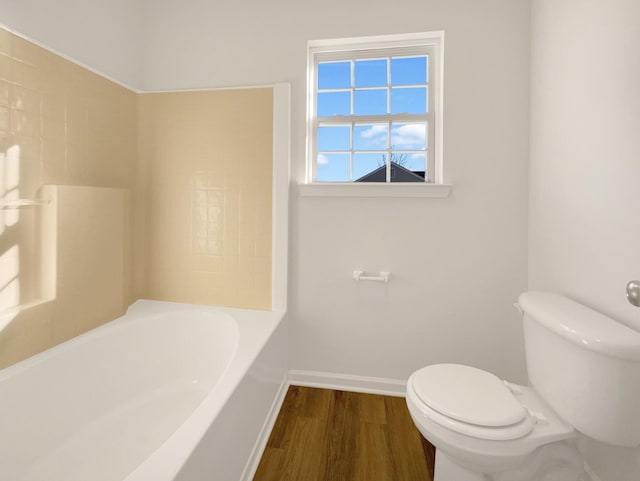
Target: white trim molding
x=280, y=195
x=261, y=443
x=73, y=60
x=400, y=189
x=326, y=380
x=348, y=382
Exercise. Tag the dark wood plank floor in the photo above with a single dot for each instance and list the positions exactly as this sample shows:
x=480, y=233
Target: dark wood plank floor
x=326, y=435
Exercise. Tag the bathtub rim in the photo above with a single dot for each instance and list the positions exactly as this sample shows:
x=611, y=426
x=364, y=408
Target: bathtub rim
x=119, y=323
x=256, y=327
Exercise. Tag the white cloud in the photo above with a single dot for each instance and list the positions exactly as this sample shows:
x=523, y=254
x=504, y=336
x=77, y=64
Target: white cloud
x=374, y=137
x=374, y=131
x=323, y=159
x=408, y=136
x=403, y=137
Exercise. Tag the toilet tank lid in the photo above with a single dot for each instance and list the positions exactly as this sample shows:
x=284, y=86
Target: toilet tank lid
x=581, y=325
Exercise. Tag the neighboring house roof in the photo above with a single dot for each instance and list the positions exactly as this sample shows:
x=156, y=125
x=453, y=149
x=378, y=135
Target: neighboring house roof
x=398, y=174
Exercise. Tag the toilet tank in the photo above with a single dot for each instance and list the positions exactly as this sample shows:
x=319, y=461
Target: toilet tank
x=585, y=365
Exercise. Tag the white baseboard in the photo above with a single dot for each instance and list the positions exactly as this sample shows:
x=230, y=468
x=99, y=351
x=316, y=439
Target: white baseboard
x=348, y=382
x=327, y=380
x=340, y=382
x=265, y=432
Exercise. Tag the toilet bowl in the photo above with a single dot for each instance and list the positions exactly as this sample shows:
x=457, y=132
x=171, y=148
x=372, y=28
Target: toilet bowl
x=481, y=425
x=583, y=368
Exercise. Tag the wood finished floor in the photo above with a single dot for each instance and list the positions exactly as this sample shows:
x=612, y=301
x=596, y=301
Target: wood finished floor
x=326, y=435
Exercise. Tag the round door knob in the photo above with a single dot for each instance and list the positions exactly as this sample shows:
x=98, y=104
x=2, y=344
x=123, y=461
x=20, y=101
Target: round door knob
x=633, y=293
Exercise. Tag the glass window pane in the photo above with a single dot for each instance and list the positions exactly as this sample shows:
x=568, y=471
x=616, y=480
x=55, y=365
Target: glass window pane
x=416, y=163
x=370, y=167
x=409, y=100
x=334, y=75
x=409, y=71
x=333, y=168
x=334, y=137
x=406, y=167
x=334, y=103
x=370, y=73
x=370, y=137
x=411, y=136
x=370, y=102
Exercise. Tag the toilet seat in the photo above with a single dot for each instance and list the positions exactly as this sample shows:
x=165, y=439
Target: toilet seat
x=470, y=401
x=487, y=455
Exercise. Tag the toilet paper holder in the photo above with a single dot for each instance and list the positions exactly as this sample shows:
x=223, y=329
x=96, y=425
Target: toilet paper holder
x=383, y=276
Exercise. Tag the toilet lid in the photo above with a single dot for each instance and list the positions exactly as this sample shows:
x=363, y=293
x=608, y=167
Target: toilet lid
x=467, y=394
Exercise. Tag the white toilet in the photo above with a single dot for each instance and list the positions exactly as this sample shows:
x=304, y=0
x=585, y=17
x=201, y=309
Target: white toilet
x=584, y=373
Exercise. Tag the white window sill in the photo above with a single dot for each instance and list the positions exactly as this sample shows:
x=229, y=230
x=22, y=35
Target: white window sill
x=374, y=189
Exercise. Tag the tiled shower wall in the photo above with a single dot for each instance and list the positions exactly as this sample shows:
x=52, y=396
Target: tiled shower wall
x=61, y=124
x=190, y=173
x=206, y=175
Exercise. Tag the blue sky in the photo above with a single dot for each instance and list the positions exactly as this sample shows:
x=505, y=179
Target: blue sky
x=408, y=95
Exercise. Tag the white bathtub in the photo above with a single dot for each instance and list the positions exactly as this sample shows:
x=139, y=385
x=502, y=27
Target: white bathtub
x=166, y=392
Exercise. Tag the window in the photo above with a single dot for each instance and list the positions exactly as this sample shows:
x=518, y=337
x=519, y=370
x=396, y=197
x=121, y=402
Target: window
x=375, y=110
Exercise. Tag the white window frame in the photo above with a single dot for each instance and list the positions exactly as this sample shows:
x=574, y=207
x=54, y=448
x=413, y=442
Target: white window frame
x=430, y=44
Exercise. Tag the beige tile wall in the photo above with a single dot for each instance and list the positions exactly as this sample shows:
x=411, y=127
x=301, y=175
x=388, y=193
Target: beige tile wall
x=90, y=265
x=181, y=179
x=205, y=196
x=61, y=124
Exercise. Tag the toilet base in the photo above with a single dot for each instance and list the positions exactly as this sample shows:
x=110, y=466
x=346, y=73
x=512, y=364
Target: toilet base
x=447, y=470
x=559, y=461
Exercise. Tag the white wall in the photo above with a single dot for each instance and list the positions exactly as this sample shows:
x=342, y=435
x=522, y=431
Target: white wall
x=101, y=35
x=584, y=205
x=458, y=263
